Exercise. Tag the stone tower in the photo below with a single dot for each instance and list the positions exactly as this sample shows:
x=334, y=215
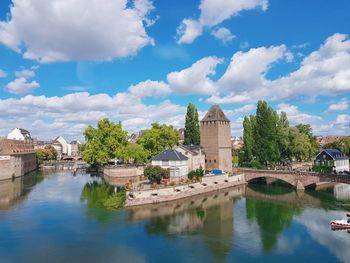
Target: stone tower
x=216, y=140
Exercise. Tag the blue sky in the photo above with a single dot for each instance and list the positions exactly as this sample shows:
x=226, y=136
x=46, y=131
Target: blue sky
x=67, y=64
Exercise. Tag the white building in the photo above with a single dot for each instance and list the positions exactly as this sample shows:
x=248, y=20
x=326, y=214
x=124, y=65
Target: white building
x=196, y=158
x=333, y=158
x=174, y=161
x=19, y=134
x=66, y=148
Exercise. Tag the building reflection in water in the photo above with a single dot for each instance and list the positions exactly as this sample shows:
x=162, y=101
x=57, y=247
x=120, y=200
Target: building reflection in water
x=210, y=216
x=342, y=192
x=13, y=191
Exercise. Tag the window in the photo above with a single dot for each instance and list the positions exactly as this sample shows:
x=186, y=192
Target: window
x=205, y=160
x=214, y=160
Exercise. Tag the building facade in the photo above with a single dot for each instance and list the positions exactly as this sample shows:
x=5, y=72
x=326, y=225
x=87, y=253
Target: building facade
x=17, y=158
x=173, y=161
x=215, y=137
x=196, y=157
x=333, y=159
x=19, y=134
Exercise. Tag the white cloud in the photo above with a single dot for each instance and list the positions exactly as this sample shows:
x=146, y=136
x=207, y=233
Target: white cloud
x=223, y=34
x=340, y=106
x=21, y=86
x=295, y=116
x=323, y=72
x=150, y=88
x=3, y=74
x=212, y=13
x=69, y=115
x=343, y=119
x=195, y=79
x=244, y=109
x=76, y=30
x=25, y=73
x=247, y=70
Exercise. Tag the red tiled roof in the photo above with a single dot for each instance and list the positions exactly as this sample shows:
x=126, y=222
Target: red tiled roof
x=14, y=147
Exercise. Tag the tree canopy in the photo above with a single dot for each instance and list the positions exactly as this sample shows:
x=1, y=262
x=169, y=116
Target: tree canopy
x=192, y=134
x=103, y=141
x=268, y=138
x=46, y=154
x=159, y=138
x=342, y=145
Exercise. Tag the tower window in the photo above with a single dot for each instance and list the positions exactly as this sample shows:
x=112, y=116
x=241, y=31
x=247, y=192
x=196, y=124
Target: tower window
x=214, y=160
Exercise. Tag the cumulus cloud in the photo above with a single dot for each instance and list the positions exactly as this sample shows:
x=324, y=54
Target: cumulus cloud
x=22, y=84
x=69, y=115
x=295, y=116
x=3, y=73
x=150, y=88
x=342, y=105
x=325, y=71
x=49, y=31
x=195, y=79
x=223, y=34
x=212, y=13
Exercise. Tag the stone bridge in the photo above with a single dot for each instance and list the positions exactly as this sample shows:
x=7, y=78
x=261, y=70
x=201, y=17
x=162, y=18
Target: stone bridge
x=300, y=180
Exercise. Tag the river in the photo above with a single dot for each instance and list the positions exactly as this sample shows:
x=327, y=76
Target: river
x=58, y=217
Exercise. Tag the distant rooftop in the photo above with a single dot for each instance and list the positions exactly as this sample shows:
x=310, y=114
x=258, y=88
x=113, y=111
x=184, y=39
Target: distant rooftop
x=170, y=155
x=215, y=113
x=191, y=148
x=335, y=154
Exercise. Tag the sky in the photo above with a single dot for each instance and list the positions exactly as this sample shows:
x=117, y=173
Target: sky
x=65, y=64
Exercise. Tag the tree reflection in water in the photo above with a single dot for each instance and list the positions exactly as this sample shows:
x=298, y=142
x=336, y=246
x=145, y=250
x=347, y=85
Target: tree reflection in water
x=272, y=219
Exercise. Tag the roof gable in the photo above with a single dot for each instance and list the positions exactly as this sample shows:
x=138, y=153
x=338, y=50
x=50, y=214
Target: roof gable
x=335, y=154
x=170, y=155
x=215, y=113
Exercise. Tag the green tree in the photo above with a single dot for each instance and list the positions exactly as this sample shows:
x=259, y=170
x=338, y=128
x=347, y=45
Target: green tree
x=159, y=138
x=342, y=145
x=307, y=130
x=266, y=147
x=248, y=138
x=300, y=146
x=155, y=173
x=283, y=133
x=47, y=154
x=102, y=142
x=134, y=153
x=192, y=135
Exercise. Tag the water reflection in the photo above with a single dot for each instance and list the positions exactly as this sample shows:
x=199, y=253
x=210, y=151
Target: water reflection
x=209, y=216
x=342, y=192
x=13, y=191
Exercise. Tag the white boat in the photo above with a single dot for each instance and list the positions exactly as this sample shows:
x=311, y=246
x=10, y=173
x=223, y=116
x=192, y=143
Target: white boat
x=341, y=224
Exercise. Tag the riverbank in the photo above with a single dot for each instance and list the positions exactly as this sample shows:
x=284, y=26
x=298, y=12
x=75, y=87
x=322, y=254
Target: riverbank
x=168, y=194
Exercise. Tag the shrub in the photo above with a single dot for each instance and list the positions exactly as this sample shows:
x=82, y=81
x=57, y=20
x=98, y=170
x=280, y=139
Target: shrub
x=155, y=173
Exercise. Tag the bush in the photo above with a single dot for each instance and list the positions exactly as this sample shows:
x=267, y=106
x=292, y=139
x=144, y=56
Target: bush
x=155, y=173
x=196, y=173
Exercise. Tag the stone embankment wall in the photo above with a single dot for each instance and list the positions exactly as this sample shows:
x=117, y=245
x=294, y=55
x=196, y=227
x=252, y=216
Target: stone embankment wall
x=17, y=165
x=123, y=171
x=17, y=158
x=208, y=184
x=121, y=175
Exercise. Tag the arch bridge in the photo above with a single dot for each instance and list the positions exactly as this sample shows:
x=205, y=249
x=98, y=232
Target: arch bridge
x=300, y=180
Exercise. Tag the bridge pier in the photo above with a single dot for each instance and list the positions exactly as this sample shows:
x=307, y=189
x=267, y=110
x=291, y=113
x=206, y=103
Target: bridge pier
x=299, y=185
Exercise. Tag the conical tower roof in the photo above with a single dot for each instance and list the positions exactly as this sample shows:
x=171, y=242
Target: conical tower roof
x=215, y=113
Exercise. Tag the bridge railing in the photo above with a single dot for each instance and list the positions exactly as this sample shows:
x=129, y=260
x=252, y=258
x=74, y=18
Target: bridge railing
x=241, y=169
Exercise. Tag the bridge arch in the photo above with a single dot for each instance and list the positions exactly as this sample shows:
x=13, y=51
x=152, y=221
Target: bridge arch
x=250, y=177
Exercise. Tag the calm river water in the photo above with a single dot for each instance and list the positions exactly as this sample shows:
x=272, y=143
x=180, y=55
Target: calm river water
x=57, y=217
